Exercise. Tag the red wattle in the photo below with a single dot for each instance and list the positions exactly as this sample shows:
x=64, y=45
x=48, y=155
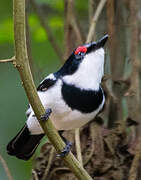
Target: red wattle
x=82, y=49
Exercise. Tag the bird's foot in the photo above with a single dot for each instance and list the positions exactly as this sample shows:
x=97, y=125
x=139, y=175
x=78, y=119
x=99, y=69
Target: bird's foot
x=66, y=149
x=45, y=116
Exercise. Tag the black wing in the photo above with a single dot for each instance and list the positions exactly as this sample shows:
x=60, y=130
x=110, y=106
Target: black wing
x=45, y=84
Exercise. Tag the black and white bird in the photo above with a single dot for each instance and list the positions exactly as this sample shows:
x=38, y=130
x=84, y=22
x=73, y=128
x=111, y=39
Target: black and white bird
x=73, y=94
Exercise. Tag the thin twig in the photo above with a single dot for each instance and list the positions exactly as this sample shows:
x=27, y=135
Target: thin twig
x=90, y=154
x=7, y=60
x=133, y=93
x=69, y=44
x=49, y=163
x=94, y=20
x=35, y=174
x=71, y=18
x=48, y=31
x=92, y=145
x=5, y=166
x=78, y=146
x=57, y=169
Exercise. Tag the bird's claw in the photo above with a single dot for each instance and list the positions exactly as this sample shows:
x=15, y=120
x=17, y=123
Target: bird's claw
x=66, y=150
x=45, y=116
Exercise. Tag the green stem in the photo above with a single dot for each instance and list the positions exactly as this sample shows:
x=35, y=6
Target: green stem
x=22, y=64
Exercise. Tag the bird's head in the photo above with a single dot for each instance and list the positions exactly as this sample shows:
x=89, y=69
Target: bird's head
x=86, y=61
x=90, y=49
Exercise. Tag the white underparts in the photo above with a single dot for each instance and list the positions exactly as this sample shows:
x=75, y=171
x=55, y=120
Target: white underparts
x=88, y=76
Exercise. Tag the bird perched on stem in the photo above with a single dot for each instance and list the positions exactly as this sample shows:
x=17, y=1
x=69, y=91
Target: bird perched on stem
x=72, y=97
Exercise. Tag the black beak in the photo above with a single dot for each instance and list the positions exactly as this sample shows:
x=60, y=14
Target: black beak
x=102, y=41
x=96, y=45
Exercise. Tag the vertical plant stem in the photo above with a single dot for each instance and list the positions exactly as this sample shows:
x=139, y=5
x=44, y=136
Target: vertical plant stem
x=133, y=93
x=78, y=146
x=94, y=20
x=117, y=54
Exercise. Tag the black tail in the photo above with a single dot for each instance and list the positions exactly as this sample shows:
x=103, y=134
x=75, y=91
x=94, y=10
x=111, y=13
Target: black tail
x=24, y=144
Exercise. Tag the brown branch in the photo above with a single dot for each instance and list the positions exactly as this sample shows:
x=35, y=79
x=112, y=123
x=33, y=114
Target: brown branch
x=7, y=60
x=35, y=174
x=57, y=169
x=73, y=35
x=96, y=135
x=5, y=166
x=94, y=20
x=69, y=43
x=48, y=31
x=116, y=43
x=92, y=148
x=112, y=46
x=136, y=163
x=122, y=81
x=133, y=93
x=111, y=30
x=49, y=164
x=71, y=18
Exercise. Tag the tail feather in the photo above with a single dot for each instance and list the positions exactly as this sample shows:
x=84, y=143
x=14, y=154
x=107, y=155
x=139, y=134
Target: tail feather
x=24, y=144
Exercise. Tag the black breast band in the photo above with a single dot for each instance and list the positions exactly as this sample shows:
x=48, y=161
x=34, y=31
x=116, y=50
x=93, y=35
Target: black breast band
x=85, y=101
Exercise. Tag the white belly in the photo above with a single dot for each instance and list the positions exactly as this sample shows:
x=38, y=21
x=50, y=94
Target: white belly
x=62, y=117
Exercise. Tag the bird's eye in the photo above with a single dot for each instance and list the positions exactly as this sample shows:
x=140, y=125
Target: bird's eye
x=79, y=53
